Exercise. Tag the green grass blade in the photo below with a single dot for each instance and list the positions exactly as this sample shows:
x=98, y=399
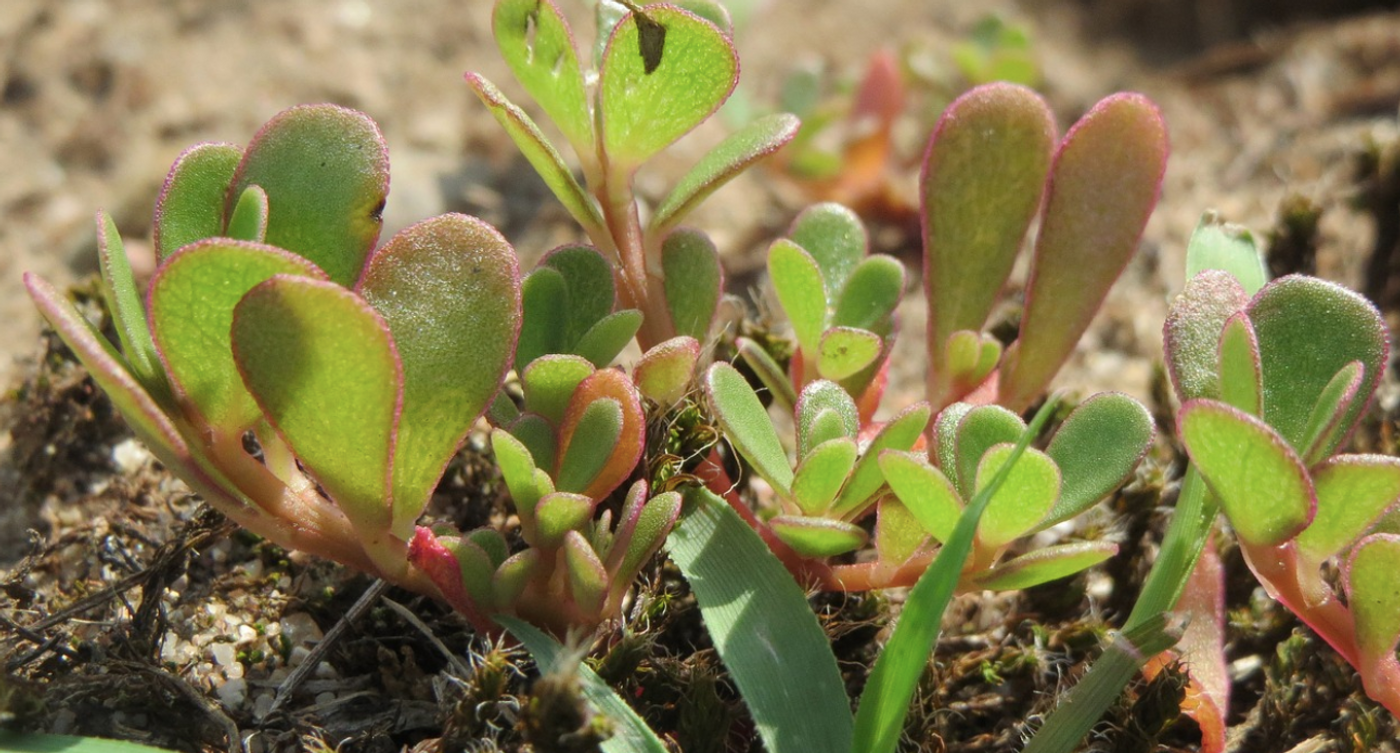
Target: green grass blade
x=630, y=733
x=764, y=631
x=31, y=742
x=885, y=703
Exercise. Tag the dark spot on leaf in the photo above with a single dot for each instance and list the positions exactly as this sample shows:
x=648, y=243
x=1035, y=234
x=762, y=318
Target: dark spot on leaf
x=376, y=214
x=651, y=40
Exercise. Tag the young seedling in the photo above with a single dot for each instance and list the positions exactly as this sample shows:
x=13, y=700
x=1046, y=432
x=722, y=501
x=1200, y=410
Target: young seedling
x=661, y=71
x=356, y=371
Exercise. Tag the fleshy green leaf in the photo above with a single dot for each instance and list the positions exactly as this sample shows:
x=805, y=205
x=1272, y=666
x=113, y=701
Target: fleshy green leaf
x=575, y=428
x=871, y=294
x=1353, y=492
x=663, y=73
x=124, y=303
x=747, y=426
x=693, y=281
x=191, y=204
x=601, y=343
x=824, y=412
x=1217, y=244
x=538, y=152
x=559, y=513
x=1262, y=485
x=588, y=580
x=836, y=240
x=1240, y=384
x=1103, y=185
x=901, y=433
x=1045, y=565
x=644, y=537
x=663, y=374
x=969, y=358
x=537, y=44
x=592, y=293
x=821, y=473
x=549, y=384
x=980, y=429
x=248, y=221
x=34, y=742
x=326, y=173
x=192, y=300
x=322, y=365
x=1374, y=598
x=544, y=327
x=1324, y=429
x=769, y=373
x=1191, y=336
x=594, y=435
x=1308, y=329
x=517, y=468
x=537, y=435
x=449, y=289
x=845, y=352
x=730, y=157
x=982, y=180
x=818, y=537
x=798, y=281
x=1023, y=500
x=927, y=494
x=1096, y=450
x=476, y=569
x=898, y=534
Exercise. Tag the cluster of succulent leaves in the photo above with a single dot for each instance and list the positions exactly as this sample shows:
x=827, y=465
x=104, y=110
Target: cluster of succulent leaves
x=1273, y=378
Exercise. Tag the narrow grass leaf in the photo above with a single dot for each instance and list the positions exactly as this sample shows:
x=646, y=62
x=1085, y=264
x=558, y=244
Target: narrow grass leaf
x=764, y=631
x=449, y=289
x=326, y=173
x=191, y=203
x=730, y=157
x=630, y=733
x=895, y=675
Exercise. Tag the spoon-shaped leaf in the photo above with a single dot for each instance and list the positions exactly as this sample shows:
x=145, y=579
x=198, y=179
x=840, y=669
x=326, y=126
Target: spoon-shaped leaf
x=846, y=351
x=694, y=281
x=747, y=426
x=1375, y=600
x=1308, y=330
x=1096, y=450
x=1261, y=483
x=871, y=294
x=595, y=433
x=798, y=281
x=608, y=336
x=1103, y=185
x=982, y=180
x=537, y=44
x=588, y=579
x=1353, y=491
x=321, y=363
x=980, y=429
x=1240, y=380
x=326, y=173
x=1216, y=244
x=821, y=473
x=663, y=73
x=192, y=299
x=592, y=292
x=191, y=203
x=248, y=221
x=626, y=450
x=901, y=433
x=730, y=157
x=924, y=490
x=538, y=152
x=549, y=384
x=898, y=534
x=1191, y=335
x=1325, y=429
x=1022, y=501
x=836, y=239
x=663, y=374
x=818, y=537
x=559, y=513
x=449, y=289
x=644, y=534
x=824, y=412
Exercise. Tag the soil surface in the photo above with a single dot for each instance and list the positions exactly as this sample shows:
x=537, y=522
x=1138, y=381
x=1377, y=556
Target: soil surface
x=128, y=611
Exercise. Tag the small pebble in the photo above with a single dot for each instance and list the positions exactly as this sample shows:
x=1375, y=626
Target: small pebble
x=225, y=654
x=233, y=693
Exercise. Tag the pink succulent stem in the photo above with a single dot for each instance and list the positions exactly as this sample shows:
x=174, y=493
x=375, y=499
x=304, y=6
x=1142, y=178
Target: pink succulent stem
x=1314, y=602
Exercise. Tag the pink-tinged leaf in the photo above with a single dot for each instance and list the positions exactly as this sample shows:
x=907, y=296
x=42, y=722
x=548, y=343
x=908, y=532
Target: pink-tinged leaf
x=730, y=157
x=1325, y=428
x=1202, y=650
x=326, y=173
x=1353, y=492
x=322, y=366
x=1046, y=564
x=595, y=434
x=1191, y=335
x=588, y=579
x=152, y=426
x=644, y=537
x=514, y=576
x=663, y=73
x=798, y=280
x=818, y=537
x=1308, y=330
x=1375, y=600
x=1241, y=384
x=983, y=175
x=549, y=384
x=614, y=385
x=969, y=358
x=1262, y=484
x=192, y=201
x=518, y=469
x=1103, y=185
x=124, y=304
x=846, y=351
x=429, y=555
x=694, y=281
x=449, y=289
x=537, y=44
x=248, y=221
x=538, y=152
x=663, y=374
x=191, y=302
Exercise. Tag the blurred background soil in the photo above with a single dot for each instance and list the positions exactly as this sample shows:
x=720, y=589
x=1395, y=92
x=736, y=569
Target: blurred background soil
x=1270, y=106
